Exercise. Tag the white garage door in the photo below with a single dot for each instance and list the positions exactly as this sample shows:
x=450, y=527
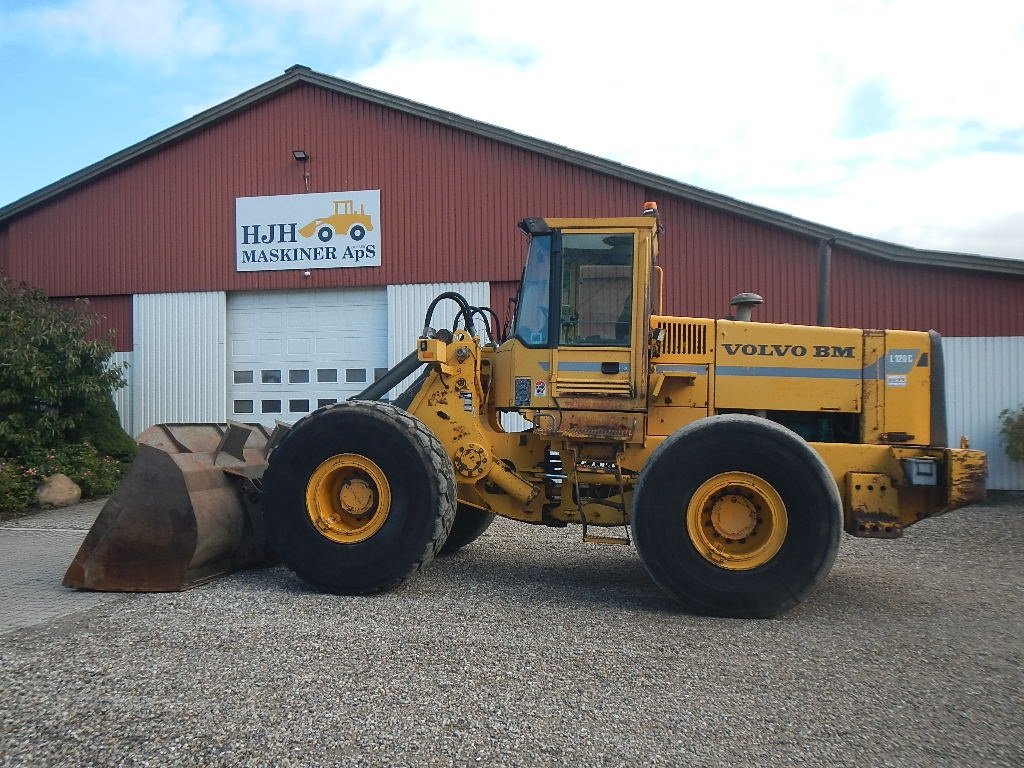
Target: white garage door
x=291, y=352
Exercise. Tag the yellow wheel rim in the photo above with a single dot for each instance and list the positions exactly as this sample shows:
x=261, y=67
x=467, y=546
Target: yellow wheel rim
x=348, y=498
x=737, y=521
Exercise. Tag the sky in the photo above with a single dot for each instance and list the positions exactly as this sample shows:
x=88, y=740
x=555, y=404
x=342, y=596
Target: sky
x=898, y=120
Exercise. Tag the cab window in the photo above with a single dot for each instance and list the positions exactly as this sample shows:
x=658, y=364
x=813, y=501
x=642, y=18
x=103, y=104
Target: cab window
x=596, y=290
x=535, y=294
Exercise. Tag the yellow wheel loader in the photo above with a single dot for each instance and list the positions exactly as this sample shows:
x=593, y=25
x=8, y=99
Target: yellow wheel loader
x=344, y=221
x=730, y=453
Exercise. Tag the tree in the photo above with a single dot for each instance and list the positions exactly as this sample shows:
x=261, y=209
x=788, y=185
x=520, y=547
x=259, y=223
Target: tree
x=1012, y=430
x=54, y=379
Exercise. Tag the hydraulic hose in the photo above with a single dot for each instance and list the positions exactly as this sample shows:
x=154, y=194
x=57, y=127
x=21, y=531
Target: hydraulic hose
x=464, y=306
x=483, y=312
x=411, y=362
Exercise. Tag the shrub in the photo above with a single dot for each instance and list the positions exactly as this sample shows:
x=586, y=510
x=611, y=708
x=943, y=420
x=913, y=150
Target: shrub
x=53, y=377
x=96, y=473
x=1012, y=431
x=56, y=410
x=102, y=427
x=17, y=488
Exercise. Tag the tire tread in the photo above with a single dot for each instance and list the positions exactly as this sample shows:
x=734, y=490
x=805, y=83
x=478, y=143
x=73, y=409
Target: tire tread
x=430, y=449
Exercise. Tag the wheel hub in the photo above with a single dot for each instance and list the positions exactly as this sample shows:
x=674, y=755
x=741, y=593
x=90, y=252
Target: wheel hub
x=348, y=498
x=737, y=521
x=356, y=497
x=733, y=516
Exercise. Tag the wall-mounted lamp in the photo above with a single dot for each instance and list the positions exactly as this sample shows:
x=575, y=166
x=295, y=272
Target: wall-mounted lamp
x=303, y=157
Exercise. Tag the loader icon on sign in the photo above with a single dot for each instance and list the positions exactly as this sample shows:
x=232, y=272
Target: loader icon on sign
x=345, y=220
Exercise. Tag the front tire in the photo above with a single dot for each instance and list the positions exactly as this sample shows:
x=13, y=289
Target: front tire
x=358, y=496
x=470, y=524
x=736, y=516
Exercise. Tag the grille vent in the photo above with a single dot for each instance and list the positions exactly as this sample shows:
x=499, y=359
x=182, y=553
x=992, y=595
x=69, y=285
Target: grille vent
x=683, y=338
x=615, y=388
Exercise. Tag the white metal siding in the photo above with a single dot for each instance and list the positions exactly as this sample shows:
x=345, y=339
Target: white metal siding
x=123, y=396
x=179, y=357
x=985, y=375
x=407, y=305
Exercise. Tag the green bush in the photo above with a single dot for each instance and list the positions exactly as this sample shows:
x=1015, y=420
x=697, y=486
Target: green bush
x=53, y=377
x=1012, y=431
x=17, y=489
x=56, y=409
x=95, y=473
x=102, y=427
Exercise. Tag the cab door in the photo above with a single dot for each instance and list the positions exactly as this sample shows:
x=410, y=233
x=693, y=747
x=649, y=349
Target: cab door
x=579, y=340
x=601, y=346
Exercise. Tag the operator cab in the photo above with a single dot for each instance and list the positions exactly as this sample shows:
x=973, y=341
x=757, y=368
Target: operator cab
x=582, y=316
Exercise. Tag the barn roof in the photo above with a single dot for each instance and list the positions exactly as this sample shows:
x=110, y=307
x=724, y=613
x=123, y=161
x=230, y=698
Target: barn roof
x=299, y=75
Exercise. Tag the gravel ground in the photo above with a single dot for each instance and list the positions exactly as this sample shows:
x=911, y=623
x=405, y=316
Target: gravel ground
x=530, y=648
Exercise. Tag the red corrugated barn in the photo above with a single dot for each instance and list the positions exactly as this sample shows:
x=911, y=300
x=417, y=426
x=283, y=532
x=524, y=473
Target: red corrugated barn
x=173, y=241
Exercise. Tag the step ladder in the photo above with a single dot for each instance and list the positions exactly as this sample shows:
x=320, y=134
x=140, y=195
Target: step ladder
x=582, y=501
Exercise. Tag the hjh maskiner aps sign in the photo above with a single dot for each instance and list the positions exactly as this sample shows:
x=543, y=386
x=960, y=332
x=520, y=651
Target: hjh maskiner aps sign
x=316, y=231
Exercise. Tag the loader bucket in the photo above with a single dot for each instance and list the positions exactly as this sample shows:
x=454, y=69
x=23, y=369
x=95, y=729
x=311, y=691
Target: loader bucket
x=185, y=512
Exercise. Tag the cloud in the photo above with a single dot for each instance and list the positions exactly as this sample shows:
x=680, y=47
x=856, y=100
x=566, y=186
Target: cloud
x=165, y=31
x=899, y=119
x=953, y=202
x=876, y=116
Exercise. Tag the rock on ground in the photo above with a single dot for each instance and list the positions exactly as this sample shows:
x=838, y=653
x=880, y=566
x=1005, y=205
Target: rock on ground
x=58, y=491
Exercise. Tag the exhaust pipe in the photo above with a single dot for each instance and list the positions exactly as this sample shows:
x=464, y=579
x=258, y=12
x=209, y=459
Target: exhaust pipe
x=745, y=303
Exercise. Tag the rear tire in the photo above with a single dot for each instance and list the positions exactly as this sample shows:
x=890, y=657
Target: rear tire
x=358, y=496
x=736, y=516
x=469, y=525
